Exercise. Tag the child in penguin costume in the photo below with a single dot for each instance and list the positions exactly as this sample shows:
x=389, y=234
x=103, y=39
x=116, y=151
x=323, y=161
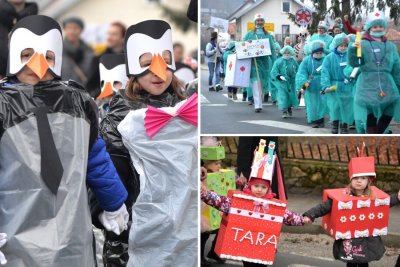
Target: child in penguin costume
x=112, y=78
x=149, y=129
x=49, y=152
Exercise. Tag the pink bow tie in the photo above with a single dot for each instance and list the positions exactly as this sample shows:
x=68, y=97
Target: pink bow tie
x=156, y=119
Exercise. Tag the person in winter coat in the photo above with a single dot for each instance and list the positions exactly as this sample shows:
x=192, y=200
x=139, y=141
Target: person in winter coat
x=336, y=87
x=284, y=73
x=50, y=151
x=377, y=98
x=10, y=12
x=369, y=248
x=79, y=63
x=213, y=60
x=308, y=78
x=322, y=34
x=264, y=63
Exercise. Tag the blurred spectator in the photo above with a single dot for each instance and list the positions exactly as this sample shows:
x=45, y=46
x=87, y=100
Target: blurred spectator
x=78, y=58
x=115, y=45
x=287, y=41
x=336, y=30
x=115, y=38
x=178, y=52
x=10, y=12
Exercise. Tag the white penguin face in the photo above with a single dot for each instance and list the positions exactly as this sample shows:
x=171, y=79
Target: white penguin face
x=139, y=44
x=113, y=76
x=23, y=39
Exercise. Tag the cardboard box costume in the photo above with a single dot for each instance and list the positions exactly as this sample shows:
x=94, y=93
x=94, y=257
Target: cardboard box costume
x=251, y=230
x=220, y=183
x=353, y=216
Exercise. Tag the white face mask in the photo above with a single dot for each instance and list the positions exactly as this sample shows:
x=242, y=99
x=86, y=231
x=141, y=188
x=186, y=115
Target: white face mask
x=318, y=56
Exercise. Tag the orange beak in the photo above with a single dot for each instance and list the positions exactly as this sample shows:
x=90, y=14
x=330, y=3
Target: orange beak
x=107, y=91
x=38, y=64
x=159, y=67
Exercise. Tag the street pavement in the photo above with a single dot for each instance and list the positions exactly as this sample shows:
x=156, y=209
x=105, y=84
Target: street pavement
x=221, y=115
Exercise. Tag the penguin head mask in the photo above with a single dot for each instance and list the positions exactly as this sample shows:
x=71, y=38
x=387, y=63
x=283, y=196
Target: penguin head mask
x=112, y=72
x=36, y=42
x=151, y=39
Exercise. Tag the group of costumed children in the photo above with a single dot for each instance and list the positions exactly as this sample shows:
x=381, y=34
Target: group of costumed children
x=354, y=88
x=52, y=150
x=361, y=176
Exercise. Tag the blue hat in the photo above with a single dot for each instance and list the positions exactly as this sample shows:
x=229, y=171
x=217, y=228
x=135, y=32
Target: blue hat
x=375, y=18
x=318, y=46
x=339, y=39
x=287, y=48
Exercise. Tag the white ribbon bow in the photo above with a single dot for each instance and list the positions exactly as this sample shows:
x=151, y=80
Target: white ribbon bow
x=363, y=203
x=382, y=202
x=346, y=235
x=358, y=234
x=258, y=205
x=345, y=205
x=379, y=232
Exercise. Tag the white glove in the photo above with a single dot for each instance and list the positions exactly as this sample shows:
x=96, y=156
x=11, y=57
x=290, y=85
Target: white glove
x=282, y=78
x=3, y=240
x=116, y=221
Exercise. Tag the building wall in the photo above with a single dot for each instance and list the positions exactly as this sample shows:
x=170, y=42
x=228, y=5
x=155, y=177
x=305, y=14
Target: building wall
x=102, y=12
x=272, y=12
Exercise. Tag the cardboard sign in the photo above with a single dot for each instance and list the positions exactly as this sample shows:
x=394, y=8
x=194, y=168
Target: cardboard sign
x=263, y=163
x=219, y=183
x=253, y=48
x=251, y=230
x=237, y=72
x=355, y=217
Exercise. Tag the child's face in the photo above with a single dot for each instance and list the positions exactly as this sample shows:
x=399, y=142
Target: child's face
x=377, y=28
x=26, y=75
x=259, y=190
x=359, y=183
x=214, y=166
x=342, y=47
x=151, y=82
x=287, y=53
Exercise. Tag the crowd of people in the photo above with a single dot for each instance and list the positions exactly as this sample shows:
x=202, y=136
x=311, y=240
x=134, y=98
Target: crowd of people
x=75, y=129
x=352, y=88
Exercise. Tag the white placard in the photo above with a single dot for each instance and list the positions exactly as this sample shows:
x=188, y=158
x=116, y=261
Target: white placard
x=220, y=24
x=237, y=71
x=253, y=48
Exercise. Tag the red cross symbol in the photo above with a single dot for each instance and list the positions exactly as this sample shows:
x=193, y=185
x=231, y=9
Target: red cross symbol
x=230, y=65
x=377, y=14
x=242, y=68
x=303, y=16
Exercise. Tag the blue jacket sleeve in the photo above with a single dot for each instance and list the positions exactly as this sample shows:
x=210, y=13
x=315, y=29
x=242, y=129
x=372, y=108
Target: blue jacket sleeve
x=103, y=179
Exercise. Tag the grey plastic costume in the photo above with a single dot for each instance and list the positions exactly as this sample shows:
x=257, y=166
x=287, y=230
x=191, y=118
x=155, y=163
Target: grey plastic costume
x=164, y=225
x=29, y=213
